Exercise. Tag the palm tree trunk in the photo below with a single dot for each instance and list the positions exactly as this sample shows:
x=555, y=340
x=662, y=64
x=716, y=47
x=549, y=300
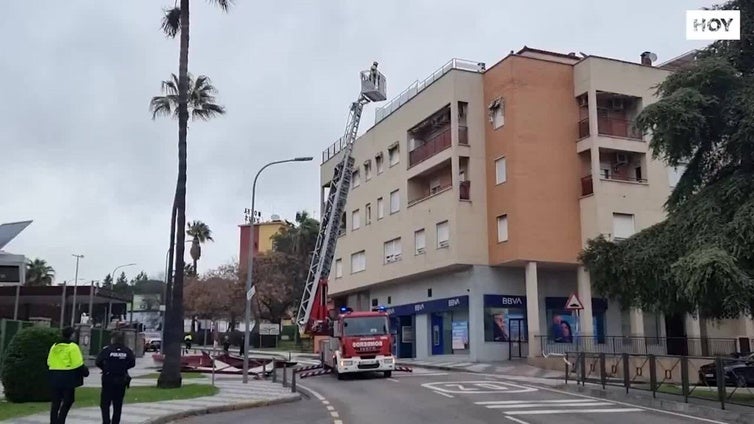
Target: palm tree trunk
x=171, y=372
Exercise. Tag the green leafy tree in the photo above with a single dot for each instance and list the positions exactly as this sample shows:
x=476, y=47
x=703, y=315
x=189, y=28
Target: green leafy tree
x=175, y=21
x=200, y=234
x=107, y=282
x=701, y=258
x=24, y=365
x=39, y=273
x=141, y=276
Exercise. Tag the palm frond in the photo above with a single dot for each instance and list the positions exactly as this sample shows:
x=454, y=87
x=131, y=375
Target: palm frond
x=161, y=106
x=207, y=111
x=171, y=22
x=223, y=4
x=170, y=87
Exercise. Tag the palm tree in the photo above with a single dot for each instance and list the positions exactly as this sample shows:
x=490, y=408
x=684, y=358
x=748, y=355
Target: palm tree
x=174, y=21
x=201, y=102
x=38, y=273
x=201, y=234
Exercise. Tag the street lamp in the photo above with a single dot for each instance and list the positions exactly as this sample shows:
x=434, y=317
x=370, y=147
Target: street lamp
x=113, y=283
x=250, y=268
x=75, y=284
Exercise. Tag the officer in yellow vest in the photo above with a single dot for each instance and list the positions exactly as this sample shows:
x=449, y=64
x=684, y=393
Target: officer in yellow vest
x=67, y=371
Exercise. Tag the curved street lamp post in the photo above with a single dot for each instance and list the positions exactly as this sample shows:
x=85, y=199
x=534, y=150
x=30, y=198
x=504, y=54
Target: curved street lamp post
x=250, y=268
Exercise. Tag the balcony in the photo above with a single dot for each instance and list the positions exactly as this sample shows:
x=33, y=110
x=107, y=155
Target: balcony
x=613, y=127
x=587, y=183
x=441, y=141
x=434, y=191
x=430, y=183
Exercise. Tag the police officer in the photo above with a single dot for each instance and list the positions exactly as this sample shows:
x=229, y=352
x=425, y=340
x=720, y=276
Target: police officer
x=67, y=371
x=114, y=360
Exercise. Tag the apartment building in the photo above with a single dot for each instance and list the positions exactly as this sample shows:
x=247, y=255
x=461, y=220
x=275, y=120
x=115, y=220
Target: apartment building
x=263, y=232
x=477, y=188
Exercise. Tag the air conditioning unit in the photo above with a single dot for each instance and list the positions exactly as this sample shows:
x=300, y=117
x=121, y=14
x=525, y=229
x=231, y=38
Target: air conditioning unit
x=420, y=251
x=621, y=158
x=444, y=243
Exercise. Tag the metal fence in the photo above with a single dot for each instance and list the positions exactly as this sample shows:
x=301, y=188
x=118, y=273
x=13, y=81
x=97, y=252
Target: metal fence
x=716, y=379
x=689, y=346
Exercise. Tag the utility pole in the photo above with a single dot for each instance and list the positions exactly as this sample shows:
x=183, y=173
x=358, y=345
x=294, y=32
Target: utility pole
x=75, y=284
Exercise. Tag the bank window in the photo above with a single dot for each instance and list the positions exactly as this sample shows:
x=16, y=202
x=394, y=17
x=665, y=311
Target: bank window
x=502, y=228
x=355, y=220
x=338, y=268
x=420, y=242
x=393, y=250
x=443, y=234
x=358, y=262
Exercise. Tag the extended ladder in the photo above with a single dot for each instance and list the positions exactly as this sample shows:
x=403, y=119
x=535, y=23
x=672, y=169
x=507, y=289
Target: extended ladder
x=372, y=90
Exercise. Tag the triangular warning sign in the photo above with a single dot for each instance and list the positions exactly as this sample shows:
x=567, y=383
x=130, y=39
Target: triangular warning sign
x=574, y=303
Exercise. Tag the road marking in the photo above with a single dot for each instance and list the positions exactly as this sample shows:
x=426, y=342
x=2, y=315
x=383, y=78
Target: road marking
x=630, y=404
x=393, y=380
x=334, y=414
x=516, y=420
x=572, y=411
x=445, y=394
x=511, y=402
x=419, y=374
x=477, y=387
x=539, y=405
x=325, y=402
x=330, y=408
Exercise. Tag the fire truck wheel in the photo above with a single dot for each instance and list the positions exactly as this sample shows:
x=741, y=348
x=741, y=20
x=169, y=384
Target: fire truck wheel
x=388, y=374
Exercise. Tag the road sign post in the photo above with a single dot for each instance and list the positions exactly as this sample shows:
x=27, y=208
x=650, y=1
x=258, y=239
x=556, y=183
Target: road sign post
x=575, y=305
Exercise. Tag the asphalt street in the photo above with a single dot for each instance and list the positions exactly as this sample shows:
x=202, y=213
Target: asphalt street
x=440, y=397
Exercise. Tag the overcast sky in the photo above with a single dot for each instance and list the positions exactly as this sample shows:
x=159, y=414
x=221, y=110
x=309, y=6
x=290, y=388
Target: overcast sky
x=84, y=160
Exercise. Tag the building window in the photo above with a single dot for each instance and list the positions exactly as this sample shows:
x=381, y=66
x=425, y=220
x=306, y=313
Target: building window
x=389, y=300
x=380, y=208
x=443, y=234
x=500, y=171
x=368, y=170
x=368, y=214
x=420, y=242
x=356, y=179
x=497, y=113
x=355, y=220
x=375, y=302
x=393, y=155
x=395, y=202
x=379, y=162
x=623, y=226
x=358, y=262
x=502, y=228
x=675, y=173
x=338, y=268
x=393, y=250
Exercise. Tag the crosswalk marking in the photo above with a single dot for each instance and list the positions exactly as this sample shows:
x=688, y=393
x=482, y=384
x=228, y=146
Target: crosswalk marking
x=553, y=406
x=539, y=405
x=572, y=411
x=511, y=402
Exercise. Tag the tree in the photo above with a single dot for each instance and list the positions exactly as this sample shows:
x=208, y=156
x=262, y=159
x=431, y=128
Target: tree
x=279, y=278
x=201, y=97
x=701, y=258
x=219, y=294
x=299, y=239
x=141, y=276
x=107, y=282
x=177, y=20
x=24, y=366
x=201, y=234
x=38, y=273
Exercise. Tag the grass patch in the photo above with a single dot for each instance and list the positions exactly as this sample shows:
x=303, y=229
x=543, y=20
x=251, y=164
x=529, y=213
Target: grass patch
x=741, y=395
x=89, y=396
x=184, y=375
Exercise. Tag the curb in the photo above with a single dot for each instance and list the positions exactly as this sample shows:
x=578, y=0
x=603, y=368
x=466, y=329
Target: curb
x=221, y=408
x=700, y=411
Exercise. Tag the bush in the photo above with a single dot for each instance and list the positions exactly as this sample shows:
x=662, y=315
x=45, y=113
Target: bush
x=24, y=367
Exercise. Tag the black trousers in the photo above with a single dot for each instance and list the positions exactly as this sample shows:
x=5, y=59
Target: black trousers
x=62, y=400
x=111, y=394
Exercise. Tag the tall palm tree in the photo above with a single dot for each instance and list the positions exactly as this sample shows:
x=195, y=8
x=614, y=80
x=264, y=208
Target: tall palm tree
x=201, y=234
x=38, y=273
x=176, y=20
x=201, y=99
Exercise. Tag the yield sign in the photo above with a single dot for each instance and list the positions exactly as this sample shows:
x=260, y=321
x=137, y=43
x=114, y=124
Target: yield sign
x=574, y=303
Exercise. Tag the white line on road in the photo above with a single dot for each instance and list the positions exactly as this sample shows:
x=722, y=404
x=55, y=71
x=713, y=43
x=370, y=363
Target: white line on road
x=330, y=408
x=325, y=402
x=516, y=420
x=393, y=380
x=539, y=405
x=572, y=411
x=429, y=374
x=630, y=404
x=510, y=402
x=445, y=394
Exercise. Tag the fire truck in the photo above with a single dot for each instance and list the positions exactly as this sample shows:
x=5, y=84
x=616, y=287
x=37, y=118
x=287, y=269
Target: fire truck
x=348, y=341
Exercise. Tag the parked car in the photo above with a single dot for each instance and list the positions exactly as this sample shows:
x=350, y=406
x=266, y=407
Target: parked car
x=739, y=371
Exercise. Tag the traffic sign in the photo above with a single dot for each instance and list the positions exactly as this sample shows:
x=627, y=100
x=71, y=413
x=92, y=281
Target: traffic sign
x=574, y=303
x=250, y=293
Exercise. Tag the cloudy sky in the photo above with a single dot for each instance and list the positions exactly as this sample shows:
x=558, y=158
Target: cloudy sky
x=84, y=160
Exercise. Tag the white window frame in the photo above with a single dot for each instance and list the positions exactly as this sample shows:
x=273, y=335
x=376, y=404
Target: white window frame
x=394, y=155
x=339, y=268
x=356, y=179
x=358, y=261
x=367, y=170
x=499, y=179
x=355, y=220
x=368, y=214
x=420, y=242
x=392, y=250
x=619, y=234
x=502, y=228
x=380, y=208
x=395, y=207
x=497, y=113
x=379, y=162
x=443, y=240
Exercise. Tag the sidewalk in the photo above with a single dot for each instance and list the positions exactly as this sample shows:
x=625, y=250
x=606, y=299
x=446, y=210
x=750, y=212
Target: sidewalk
x=233, y=395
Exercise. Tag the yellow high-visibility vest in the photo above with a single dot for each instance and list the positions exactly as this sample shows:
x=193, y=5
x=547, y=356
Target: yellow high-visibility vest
x=65, y=356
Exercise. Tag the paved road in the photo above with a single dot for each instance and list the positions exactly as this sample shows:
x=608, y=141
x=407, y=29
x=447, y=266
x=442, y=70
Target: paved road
x=427, y=396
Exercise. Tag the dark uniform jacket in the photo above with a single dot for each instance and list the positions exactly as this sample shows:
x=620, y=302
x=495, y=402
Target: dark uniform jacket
x=115, y=360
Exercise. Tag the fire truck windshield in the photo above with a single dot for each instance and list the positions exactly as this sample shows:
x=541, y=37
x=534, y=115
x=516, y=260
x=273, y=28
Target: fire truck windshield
x=365, y=326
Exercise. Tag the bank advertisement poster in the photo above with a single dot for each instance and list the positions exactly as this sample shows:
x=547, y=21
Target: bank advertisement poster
x=504, y=318
x=460, y=335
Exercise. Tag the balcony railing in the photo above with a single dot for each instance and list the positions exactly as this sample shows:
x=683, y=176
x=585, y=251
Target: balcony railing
x=463, y=135
x=587, y=185
x=432, y=192
x=611, y=126
x=624, y=178
x=430, y=148
x=465, y=190
x=381, y=113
